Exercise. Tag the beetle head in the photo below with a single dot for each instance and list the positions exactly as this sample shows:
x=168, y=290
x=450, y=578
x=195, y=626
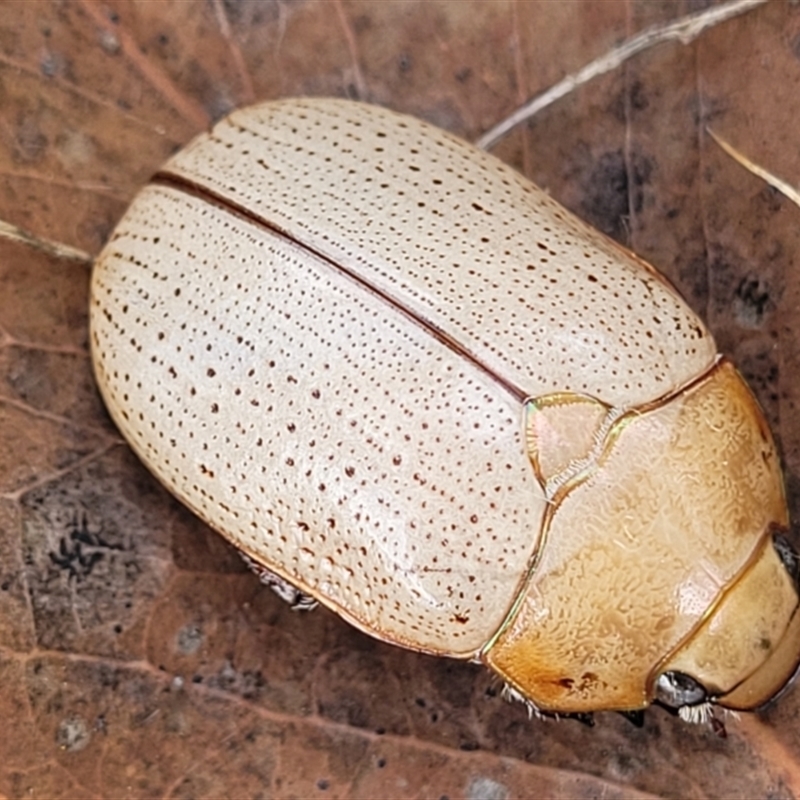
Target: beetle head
x=658, y=577
x=746, y=648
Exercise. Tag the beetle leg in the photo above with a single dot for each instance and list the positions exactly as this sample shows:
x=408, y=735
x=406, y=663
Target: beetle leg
x=718, y=726
x=510, y=694
x=697, y=714
x=298, y=600
x=708, y=713
x=636, y=718
x=585, y=718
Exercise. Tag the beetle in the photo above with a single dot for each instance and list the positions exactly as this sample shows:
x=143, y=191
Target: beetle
x=407, y=384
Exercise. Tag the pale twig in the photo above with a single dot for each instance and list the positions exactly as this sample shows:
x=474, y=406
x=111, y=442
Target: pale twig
x=784, y=188
x=684, y=30
x=237, y=57
x=9, y=231
x=350, y=37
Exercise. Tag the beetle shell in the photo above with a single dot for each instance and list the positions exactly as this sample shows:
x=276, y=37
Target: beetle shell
x=398, y=375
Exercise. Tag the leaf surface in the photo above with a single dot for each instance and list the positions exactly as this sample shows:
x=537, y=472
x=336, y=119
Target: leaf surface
x=138, y=657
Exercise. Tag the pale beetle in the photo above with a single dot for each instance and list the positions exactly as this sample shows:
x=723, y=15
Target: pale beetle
x=332, y=372
x=406, y=383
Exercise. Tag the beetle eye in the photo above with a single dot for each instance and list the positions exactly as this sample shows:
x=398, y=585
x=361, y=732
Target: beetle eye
x=677, y=689
x=788, y=556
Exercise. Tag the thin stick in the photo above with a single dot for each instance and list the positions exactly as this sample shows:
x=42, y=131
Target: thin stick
x=684, y=29
x=776, y=183
x=9, y=231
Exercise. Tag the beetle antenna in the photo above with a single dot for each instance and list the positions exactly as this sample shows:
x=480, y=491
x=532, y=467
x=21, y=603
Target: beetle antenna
x=698, y=714
x=511, y=695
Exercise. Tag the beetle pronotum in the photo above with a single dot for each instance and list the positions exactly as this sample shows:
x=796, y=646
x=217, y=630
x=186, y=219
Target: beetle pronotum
x=402, y=379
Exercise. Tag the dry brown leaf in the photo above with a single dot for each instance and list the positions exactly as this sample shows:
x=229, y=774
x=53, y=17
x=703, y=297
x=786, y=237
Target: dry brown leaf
x=137, y=656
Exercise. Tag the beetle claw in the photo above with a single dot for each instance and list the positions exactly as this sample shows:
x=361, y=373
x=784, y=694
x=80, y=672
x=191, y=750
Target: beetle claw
x=673, y=712
x=636, y=718
x=584, y=717
x=299, y=601
x=718, y=726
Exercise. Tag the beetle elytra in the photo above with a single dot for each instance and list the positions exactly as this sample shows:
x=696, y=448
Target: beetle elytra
x=400, y=377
